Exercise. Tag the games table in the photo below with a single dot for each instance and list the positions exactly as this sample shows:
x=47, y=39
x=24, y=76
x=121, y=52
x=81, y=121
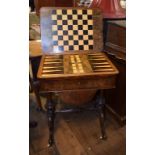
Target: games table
x=72, y=61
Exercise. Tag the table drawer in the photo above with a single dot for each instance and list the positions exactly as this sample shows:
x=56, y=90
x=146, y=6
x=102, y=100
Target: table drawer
x=77, y=84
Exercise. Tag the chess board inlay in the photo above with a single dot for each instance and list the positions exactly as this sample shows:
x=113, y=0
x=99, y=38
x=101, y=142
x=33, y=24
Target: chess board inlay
x=72, y=29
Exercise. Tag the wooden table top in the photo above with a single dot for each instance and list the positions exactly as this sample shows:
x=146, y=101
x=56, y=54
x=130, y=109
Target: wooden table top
x=76, y=64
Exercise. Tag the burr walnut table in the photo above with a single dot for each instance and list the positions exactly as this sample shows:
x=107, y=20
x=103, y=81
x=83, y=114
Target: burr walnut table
x=75, y=71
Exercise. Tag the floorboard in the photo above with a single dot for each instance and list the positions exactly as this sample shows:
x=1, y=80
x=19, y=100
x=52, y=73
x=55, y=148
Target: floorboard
x=75, y=134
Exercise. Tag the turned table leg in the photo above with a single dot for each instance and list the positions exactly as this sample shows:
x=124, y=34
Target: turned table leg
x=102, y=115
x=51, y=117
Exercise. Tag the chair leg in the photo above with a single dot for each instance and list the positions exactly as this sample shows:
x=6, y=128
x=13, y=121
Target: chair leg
x=102, y=115
x=51, y=117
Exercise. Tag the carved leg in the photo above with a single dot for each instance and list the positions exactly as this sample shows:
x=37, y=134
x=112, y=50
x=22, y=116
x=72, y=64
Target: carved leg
x=51, y=116
x=102, y=115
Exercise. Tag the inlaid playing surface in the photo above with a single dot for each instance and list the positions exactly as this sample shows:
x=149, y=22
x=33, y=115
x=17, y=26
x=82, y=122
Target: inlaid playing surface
x=70, y=29
x=75, y=65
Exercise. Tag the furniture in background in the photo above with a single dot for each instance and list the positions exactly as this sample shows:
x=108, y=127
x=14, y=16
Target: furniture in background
x=73, y=61
x=34, y=26
x=110, y=8
x=54, y=3
x=31, y=5
x=35, y=53
x=115, y=47
x=115, y=37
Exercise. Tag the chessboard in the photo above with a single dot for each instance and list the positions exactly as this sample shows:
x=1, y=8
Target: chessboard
x=75, y=64
x=70, y=29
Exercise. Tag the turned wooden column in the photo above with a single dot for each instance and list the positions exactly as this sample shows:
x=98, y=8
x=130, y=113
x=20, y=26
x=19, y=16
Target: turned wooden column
x=51, y=105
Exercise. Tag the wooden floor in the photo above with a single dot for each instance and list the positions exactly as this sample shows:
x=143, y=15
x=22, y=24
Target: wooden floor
x=75, y=134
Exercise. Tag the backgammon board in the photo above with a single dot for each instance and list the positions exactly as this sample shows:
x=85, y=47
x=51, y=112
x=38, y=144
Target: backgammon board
x=86, y=69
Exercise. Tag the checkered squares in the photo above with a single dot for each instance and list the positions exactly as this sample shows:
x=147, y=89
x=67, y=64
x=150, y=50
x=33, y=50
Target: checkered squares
x=72, y=29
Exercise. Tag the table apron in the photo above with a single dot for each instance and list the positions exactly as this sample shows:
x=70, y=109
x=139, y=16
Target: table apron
x=76, y=84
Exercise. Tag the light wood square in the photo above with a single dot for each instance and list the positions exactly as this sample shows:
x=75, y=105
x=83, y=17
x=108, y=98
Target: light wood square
x=90, y=22
x=89, y=12
x=85, y=27
x=85, y=37
x=65, y=27
x=84, y=17
x=81, y=42
x=90, y=42
x=75, y=27
x=60, y=32
x=55, y=48
x=80, y=22
x=54, y=27
x=74, y=65
x=76, y=47
x=59, y=12
x=66, y=48
x=75, y=37
x=55, y=37
x=74, y=71
x=80, y=32
x=60, y=42
x=74, y=17
x=70, y=42
x=64, y=17
x=79, y=65
x=77, y=56
x=65, y=37
x=81, y=71
x=54, y=17
x=72, y=59
x=70, y=32
x=70, y=22
x=90, y=32
x=69, y=12
x=78, y=60
x=59, y=22
x=86, y=47
x=79, y=12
